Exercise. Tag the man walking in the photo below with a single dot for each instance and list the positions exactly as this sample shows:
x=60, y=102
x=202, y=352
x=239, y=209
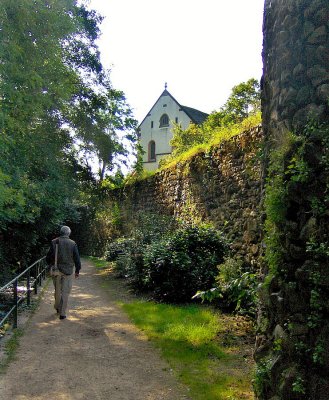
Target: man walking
x=67, y=258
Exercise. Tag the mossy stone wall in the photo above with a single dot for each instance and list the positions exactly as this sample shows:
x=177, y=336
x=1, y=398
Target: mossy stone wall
x=292, y=349
x=221, y=187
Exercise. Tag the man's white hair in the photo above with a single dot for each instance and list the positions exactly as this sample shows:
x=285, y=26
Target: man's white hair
x=65, y=231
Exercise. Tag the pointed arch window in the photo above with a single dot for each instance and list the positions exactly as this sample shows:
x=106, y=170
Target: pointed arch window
x=151, y=151
x=164, y=120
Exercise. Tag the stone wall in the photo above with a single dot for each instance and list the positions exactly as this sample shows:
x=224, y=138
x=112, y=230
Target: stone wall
x=292, y=350
x=295, y=61
x=222, y=187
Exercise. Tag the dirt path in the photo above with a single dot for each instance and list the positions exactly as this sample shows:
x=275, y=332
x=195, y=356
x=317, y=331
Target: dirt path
x=95, y=354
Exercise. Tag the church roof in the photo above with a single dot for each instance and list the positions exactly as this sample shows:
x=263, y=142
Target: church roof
x=196, y=116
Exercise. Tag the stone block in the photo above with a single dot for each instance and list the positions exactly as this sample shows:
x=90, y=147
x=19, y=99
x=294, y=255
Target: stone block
x=298, y=71
x=308, y=28
x=322, y=92
x=322, y=55
x=289, y=376
x=317, y=74
x=304, y=96
x=322, y=16
x=319, y=386
x=285, y=77
x=279, y=332
x=319, y=36
x=314, y=7
x=299, y=330
x=310, y=111
x=308, y=229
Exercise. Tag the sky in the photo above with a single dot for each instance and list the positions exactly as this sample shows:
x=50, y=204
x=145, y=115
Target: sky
x=201, y=48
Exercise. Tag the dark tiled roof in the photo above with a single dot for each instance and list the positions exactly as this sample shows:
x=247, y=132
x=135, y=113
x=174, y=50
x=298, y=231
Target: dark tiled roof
x=196, y=116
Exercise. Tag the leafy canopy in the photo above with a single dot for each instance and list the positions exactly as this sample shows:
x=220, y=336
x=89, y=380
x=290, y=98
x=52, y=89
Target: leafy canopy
x=58, y=107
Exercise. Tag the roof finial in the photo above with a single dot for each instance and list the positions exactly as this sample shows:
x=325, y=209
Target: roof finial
x=166, y=85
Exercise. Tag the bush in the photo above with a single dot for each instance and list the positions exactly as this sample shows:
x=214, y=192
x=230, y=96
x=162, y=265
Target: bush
x=116, y=249
x=128, y=252
x=236, y=287
x=172, y=264
x=186, y=261
x=122, y=251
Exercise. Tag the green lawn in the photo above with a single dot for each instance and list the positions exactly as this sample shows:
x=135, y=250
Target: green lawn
x=191, y=340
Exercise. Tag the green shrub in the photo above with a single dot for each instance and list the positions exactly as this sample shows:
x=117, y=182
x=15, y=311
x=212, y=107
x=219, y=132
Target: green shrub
x=172, y=264
x=116, y=249
x=184, y=262
x=128, y=252
x=236, y=288
x=238, y=285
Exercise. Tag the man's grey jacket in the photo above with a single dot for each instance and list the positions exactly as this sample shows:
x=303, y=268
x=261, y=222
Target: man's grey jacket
x=68, y=255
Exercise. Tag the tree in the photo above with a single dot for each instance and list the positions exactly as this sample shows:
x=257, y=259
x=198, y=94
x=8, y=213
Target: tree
x=184, y=139
x=50, y=67
x=243, y=101
x=35, y=84
x=102, y=122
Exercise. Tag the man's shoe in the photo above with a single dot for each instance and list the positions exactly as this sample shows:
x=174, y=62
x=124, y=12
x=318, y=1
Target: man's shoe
x=62, y=316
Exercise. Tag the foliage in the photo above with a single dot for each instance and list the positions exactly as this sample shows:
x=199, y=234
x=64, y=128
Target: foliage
x=99, y=120
x=222, y=133
x=298, y=385
x=244, y=102
x=275, y=201
x=171, y=261
x=188, y=337
x=128, y=252
x=98, y=224
x=236, y=288
x=186, y=145
x=262, y=377
x=129, y=261
x=10, y=349
x=296, y=215
x=135, y=176
x=53, y=90
x=116, y=248
x=138, y=166
x=184, y=139
x=99, y=263
x=174, y=268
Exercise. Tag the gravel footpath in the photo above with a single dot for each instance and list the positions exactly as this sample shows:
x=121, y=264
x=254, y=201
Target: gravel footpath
x=94, y=354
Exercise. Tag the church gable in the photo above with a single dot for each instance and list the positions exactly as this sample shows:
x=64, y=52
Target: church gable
x=155, y=131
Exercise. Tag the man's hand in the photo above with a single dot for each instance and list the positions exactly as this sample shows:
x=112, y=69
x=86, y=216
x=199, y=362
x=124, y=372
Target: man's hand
x=77, y=275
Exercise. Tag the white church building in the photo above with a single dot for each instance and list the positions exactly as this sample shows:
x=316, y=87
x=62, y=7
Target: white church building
x=155, y=131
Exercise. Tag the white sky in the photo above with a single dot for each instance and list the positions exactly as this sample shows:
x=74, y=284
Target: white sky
x=200, y=48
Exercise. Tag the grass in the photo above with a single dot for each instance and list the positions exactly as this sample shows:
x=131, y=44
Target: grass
x=11, y=344
x=191, y=339
x=219, y=135
x=98, y=262
x=10, y=349
x=210, y=352
x=133, y=178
